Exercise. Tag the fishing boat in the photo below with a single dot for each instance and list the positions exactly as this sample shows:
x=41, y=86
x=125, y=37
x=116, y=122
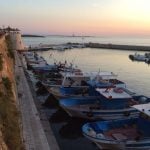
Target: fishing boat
x=43, y=68
x=139, y=57
x=147, y=60
x=123, y=134
x=81, y=83
x=33, y=56
x=109, y=103
x=70, y=83
x=37, y=63
x=33, y=59
x=37, y=60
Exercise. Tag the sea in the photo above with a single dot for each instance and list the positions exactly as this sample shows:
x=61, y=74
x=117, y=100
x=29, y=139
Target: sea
x=135, y=74
x=34, y=41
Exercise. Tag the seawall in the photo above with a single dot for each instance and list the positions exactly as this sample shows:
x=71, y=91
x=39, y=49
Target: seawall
x=10, y=132
x=92, y=45
x=118, y=47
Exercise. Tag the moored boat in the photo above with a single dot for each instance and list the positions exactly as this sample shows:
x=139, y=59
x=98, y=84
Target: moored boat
x=71, y=83
x=139, y=57
x=81, y=83
x=108, y=104
x=123, y=134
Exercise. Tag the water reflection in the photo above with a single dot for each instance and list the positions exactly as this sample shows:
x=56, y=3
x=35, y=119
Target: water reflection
x=137, y=76
x=59, y=116
x=68, y=132
x=72, y=128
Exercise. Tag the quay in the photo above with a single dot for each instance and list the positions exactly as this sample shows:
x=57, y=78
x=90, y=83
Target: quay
x=33, y=134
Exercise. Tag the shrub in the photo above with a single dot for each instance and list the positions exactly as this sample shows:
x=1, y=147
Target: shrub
x=7, y=83
x=9, y=47
x=1, y=62
x=9, y=118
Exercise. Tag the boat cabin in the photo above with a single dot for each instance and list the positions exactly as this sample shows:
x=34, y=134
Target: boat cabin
x=118, y=98
x=104, y=80
x=73, y=79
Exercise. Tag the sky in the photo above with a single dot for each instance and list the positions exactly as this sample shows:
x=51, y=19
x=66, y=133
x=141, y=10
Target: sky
x=78, y=17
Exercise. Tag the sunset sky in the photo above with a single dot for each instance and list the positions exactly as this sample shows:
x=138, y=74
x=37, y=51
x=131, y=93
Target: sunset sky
x=79, y=17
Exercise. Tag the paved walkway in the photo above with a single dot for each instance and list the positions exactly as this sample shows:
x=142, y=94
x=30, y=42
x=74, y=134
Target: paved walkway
x=33, y=134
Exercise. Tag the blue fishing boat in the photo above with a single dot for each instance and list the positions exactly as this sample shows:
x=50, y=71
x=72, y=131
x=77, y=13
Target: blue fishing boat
x=43, y=68
x=125, y=134
x=113, y=103
x=82, y=83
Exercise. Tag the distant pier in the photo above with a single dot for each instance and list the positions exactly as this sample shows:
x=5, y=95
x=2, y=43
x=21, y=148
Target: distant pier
x=62, y=47
x=118, y=47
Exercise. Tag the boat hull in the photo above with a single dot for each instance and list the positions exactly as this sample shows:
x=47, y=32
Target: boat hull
x=104, y=144
x=120, y=146
x=137, y=57
x=58, y=95
x=102, y=114
x=116, y=145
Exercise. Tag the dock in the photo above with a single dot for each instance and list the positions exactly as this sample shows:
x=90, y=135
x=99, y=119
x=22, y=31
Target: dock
x=33, y=132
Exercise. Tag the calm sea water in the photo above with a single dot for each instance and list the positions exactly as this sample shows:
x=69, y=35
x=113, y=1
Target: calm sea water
x=135, y=74
x=65, y=39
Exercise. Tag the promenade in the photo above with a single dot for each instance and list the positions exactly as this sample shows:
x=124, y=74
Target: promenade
x=33, y=133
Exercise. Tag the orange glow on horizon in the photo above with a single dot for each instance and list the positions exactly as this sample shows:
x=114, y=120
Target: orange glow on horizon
x=81, y=17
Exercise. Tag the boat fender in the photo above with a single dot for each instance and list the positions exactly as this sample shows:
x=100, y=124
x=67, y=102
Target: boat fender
x=89, y=114
x=126, y=113
x=92, y=133
x=100, y=135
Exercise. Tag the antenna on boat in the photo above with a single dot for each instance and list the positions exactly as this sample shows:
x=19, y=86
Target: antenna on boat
x=99, y=71
x=55, y=61
x=98, y=74
x=50, y=56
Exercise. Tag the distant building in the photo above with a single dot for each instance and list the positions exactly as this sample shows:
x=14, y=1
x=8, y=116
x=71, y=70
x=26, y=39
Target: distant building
x=15, y=37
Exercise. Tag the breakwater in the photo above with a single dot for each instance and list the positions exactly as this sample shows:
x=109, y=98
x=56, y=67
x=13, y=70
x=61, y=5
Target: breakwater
x=118, y=47
x=62, y=47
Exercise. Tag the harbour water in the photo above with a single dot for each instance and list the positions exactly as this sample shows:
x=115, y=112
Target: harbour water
x=135, y=74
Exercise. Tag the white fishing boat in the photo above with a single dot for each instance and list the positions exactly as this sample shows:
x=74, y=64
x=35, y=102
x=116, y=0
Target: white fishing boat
x=79, y=83
x=138, y=57
x=122, y=134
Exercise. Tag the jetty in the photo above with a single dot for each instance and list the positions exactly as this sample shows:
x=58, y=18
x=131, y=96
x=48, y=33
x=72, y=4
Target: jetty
x=118, y=47
x=66, y=46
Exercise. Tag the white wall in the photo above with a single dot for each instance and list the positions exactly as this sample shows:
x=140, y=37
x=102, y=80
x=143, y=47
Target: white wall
x=17, y=43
